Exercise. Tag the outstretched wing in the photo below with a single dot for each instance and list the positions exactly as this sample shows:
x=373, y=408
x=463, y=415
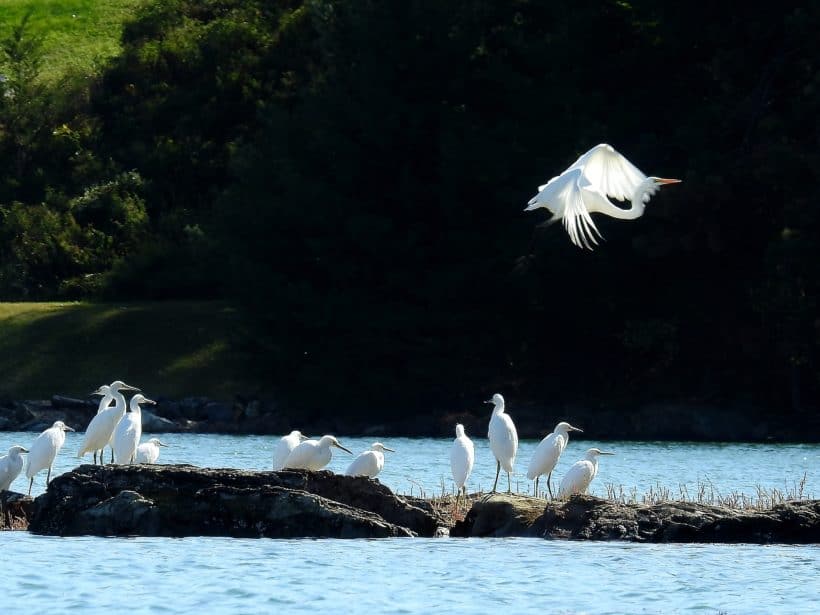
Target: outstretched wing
x=609, y=173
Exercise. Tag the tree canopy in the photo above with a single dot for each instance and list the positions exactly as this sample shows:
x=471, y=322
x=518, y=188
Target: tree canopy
x=353, y=173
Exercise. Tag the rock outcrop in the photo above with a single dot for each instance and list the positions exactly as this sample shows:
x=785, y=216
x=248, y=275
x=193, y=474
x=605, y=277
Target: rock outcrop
x=15, y=510
x=181, y=500
x=591, y=518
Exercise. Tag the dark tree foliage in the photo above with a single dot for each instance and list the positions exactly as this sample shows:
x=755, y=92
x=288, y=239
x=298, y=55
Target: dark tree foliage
x=353, y=173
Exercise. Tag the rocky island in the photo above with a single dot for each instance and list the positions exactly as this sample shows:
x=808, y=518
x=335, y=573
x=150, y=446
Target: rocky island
x=184, y=500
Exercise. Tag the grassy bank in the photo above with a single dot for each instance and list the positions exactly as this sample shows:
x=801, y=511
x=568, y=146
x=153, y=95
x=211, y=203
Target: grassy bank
x=173, y=349
x=77, y=34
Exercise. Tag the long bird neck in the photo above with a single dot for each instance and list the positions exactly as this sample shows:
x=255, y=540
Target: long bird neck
x=119, y=401
x=135, y=407
x=645, y=189
x=498, y=410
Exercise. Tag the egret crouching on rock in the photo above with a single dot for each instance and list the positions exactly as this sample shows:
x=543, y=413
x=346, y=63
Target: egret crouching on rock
x=313, y=454
x=42, y=452
x=462, y=457
x=547, y=453
x=102, y=425
x=369, y=463
x=129, y=431
x=148, y=452
x=10, y=466
x=581, y=473
x=503, y=439
x=285, y=445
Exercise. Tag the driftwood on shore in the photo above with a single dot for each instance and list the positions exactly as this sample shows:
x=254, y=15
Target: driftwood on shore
x=590, y=518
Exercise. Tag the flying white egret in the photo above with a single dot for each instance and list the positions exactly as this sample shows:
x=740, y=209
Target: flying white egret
x=547, y=453
x=10, y=466
x=462, y=457
x=580, y=475
x=148, y=452
x=44, y=449
x=285, y=445
x=503, y=439
x=102, y=425
x=369, y=463
x=129, y=431
x=313, y=454
x=586, y=187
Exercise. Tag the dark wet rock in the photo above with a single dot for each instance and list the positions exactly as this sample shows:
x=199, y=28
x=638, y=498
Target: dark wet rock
x=156, y=424
x=179, y=500
x=15, y=510
x=218, y=412
x=591, y=518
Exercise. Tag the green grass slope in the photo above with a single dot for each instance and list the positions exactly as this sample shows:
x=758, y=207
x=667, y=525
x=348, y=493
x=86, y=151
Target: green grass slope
x=173, y=349
x=77, y=34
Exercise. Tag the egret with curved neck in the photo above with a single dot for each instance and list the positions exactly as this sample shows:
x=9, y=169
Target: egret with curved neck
x=586, y=187
x=548, y=452
x=101, y=428
x=129, y=431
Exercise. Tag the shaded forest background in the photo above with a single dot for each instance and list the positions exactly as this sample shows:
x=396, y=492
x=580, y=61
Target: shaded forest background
x=352, y=175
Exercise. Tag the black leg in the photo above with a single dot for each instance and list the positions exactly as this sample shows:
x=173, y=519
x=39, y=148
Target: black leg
x=549, y=488
x=497, y=471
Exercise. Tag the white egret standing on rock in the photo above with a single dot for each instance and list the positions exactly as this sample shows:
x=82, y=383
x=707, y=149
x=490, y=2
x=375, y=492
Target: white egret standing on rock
x=10, y=466
x=580, y=475
x=462, y=457
x=503, y=439
x=42, y=452
x=129, y=431
x=285, y=445
x=369, y=463
x=585, y=188
x=148, y=452
x=100, y=429
x=547, y=453
x=313, y=454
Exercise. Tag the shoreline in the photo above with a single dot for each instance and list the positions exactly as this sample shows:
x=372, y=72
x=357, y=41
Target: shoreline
x=183, y=500
x=672, y=421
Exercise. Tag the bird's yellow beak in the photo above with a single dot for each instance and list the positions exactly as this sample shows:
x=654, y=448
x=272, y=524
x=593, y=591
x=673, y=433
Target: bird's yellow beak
x=662, y=180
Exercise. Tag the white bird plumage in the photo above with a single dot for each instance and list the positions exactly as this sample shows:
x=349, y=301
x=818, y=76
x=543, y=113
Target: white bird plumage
x=462, y=458
x=148, y=452
x=101, y=428
x=370, y=462
x=44, y=449
x=285, y=445
x=548, y=452
x=10, y=466
x=313, y=454
x=129, y=431
x=586, y=187
x=503, y=439
x=580, y=475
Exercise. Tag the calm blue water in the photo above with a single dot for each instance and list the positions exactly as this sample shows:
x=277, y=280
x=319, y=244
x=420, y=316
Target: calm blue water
x=217, y=575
